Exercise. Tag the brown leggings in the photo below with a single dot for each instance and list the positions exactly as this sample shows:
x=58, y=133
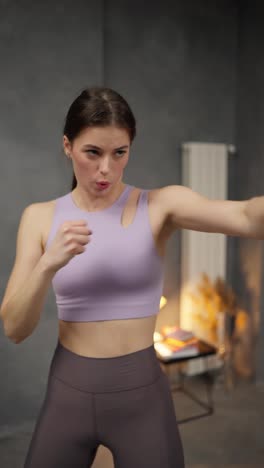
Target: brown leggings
x=121, y=402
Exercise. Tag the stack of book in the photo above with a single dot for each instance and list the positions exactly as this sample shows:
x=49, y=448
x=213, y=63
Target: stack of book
x=174, y=342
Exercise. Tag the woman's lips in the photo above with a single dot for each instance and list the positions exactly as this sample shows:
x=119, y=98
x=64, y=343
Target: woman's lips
x=102, y=185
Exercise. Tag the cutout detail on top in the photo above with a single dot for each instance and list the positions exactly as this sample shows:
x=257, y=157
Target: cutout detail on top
x=130, y=208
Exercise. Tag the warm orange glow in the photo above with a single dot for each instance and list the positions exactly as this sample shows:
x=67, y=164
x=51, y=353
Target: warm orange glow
x=208, y=303
x=163, y=302
x=241, y=321
x=212, y=298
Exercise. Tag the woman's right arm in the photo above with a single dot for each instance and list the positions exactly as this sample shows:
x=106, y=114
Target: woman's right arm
x=29, y=280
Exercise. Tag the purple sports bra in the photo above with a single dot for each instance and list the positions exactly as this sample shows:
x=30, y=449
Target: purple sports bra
x=119, y=275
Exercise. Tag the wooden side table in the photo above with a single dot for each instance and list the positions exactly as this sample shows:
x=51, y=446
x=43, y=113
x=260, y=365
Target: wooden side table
x=205, y=350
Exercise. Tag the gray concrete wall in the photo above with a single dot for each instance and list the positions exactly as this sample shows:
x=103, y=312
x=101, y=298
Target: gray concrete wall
x=175, y=63
x=248, y=174
x=49, y=51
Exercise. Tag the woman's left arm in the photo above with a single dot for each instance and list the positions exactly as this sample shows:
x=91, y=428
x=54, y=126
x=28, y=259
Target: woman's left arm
x=188, y=209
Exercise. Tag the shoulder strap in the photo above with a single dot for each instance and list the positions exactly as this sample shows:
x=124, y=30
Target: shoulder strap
x=124, y=196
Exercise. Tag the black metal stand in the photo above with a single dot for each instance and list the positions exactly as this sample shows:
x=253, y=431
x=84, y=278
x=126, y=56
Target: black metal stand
x=208, y=404
x=207, y=377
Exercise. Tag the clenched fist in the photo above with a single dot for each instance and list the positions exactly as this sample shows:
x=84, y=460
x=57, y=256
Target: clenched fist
x=70, y=240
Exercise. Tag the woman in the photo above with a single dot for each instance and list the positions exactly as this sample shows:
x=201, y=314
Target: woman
x=102, y=246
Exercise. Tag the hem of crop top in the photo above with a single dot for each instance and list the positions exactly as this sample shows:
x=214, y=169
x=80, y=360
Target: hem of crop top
x=77, y=314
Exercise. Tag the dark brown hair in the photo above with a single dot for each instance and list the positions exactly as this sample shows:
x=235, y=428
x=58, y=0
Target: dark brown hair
x=98, y=107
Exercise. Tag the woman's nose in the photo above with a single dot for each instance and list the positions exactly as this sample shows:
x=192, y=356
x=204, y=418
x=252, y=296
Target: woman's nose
x=104, y=166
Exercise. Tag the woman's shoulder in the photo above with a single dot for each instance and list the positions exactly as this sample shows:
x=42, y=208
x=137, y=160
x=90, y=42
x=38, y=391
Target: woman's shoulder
x=43, y=208
x=159, y=201
x=43, y=214
x=153, y=193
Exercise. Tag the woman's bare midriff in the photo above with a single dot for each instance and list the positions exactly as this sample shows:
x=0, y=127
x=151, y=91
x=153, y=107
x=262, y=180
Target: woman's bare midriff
x=112, y=338
x=107, y=338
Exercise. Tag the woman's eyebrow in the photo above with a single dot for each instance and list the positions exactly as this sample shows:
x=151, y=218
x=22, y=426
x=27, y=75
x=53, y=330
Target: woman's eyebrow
x=97, y=147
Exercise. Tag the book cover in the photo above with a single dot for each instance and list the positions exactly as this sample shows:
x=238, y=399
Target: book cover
x=177, y=333
x=168, y=351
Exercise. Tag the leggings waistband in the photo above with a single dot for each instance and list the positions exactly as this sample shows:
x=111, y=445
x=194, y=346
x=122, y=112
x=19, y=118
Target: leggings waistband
x=110, y=374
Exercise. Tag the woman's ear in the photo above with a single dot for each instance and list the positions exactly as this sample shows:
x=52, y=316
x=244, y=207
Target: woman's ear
x=66, y=146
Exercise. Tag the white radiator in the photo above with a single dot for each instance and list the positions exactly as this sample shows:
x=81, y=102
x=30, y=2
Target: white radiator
x=204, y=170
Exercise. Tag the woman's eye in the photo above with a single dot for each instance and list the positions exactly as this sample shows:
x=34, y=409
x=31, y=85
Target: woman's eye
x=120, y=152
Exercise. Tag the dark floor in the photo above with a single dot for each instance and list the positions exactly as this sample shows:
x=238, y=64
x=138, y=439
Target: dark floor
x=233, y=437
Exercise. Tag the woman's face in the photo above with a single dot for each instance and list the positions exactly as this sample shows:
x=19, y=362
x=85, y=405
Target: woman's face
x=98, y=153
